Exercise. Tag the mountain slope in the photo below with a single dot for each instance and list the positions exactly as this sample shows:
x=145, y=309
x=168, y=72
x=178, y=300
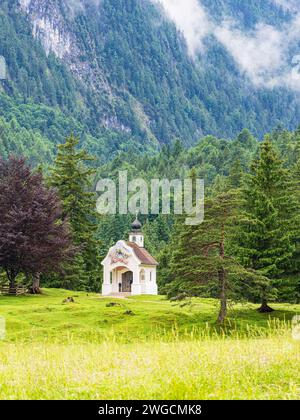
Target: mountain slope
x=121, y=72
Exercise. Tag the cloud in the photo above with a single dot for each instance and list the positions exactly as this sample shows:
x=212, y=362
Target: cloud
x=257, y=53
x=191, y=19
x=78, y=6
x=263, y=54
x=289, y=5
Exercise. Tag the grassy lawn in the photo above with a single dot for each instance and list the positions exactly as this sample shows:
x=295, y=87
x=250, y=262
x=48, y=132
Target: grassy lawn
x=145, y=348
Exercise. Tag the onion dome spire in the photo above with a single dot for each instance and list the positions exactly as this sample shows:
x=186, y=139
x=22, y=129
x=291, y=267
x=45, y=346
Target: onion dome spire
x=136, y=225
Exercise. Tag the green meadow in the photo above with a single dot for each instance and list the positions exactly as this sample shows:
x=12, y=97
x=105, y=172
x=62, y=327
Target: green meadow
x=144, y=348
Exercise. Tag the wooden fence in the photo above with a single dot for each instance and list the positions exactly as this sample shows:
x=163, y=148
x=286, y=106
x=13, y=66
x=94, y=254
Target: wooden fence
x=13, y=291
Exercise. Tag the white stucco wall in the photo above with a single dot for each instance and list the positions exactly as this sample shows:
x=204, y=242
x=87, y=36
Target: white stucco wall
x=137, y=238
x=151, y=285
x=113, y=273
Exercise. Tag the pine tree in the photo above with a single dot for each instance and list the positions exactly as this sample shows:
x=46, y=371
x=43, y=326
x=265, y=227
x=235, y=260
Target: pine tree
x=202, y=262
x=266, y=243
x=295, y=147
x=294, y=268
x=236, y=174
x=72, y=178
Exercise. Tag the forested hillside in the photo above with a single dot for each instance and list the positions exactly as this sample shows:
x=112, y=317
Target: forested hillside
x=119, y=74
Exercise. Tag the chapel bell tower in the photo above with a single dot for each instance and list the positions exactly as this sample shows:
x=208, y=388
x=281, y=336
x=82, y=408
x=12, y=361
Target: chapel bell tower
x=136, y=236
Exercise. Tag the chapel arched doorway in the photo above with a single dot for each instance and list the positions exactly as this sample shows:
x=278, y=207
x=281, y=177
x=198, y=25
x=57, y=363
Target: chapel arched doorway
x=127, y=280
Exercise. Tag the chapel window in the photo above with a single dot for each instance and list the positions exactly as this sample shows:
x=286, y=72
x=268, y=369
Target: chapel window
x=142, y=277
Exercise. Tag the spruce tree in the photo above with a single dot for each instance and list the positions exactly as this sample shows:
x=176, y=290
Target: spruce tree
x=294, y=268
x=236, y=174
x=202, y=262
x=266, y=240
x=72, y=178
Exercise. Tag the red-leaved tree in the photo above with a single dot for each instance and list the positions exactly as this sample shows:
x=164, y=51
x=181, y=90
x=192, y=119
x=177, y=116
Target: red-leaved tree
x=34, y=238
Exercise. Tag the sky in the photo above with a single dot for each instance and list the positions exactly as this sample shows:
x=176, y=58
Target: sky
x=262, y=53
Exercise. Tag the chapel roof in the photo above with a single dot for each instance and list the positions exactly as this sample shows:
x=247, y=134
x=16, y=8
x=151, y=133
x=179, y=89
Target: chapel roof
x=142, y=254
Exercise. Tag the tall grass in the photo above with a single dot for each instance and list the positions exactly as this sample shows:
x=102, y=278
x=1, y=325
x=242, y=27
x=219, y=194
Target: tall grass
x=87, y=350
x=209, y=366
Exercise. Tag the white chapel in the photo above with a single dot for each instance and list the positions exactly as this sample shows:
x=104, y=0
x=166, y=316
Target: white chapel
x=129, y=268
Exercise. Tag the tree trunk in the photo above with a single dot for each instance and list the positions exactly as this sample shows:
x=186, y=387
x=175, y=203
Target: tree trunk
x=222, y=282
x=11, y=275
x=223, y=297
x=265, y=308
x=35, y=288
x=12, y=287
